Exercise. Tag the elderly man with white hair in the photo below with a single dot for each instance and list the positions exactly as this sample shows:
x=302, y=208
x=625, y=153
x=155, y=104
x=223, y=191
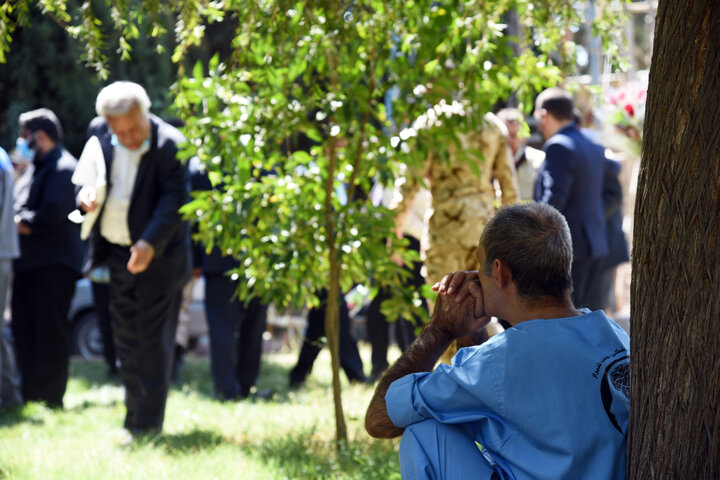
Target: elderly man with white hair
x=140, y=235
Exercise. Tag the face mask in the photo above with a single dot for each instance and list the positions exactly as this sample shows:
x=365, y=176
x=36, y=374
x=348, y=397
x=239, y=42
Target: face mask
x=116, y=143
x=24, y=150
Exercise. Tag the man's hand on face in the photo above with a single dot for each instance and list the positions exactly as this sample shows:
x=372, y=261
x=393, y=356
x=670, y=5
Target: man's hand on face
x=460, y=285
x=460, y=309
x=141, y=254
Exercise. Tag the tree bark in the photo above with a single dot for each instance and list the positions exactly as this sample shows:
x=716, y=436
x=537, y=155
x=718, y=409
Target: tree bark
x=332, y=312
x=674, y=427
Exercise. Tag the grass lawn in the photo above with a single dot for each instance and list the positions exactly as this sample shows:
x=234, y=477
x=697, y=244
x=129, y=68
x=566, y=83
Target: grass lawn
x=288, y=436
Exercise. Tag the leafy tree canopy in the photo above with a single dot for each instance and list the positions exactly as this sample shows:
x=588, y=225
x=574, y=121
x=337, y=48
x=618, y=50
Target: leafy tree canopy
x=312, y=102
x=302, y=91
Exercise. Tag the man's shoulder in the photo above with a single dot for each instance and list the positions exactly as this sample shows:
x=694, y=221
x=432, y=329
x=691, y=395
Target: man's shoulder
x=98, y=127
x=564, y=138
x=166, y=133
x=66, y=161
x=534, y=157
x=495, y=345
x=595, y=321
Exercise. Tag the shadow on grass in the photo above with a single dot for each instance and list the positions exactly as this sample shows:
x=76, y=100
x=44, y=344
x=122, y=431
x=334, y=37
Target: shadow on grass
x=21, y=414
x=303, y=455
x=91, y=373
x=272, y=383
x=184, y=443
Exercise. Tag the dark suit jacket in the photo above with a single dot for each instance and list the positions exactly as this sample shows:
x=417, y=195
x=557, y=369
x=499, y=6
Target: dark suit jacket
x=161, y=188
x=213, y=262
x=571, y=180
x=44, y=196
x=612, y=203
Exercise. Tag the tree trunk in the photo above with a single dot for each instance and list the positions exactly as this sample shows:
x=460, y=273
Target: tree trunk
x=332, y=311
x=674, y=416
x=332, y=331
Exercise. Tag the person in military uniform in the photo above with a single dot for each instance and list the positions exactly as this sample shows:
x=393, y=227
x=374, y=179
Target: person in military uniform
x=462, y=201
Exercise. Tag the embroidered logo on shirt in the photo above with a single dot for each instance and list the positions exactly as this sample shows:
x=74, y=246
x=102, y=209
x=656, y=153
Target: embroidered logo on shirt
x=616, y=382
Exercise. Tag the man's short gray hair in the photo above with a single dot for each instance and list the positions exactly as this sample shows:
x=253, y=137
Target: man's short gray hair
x=119, y=97
x=534, y=240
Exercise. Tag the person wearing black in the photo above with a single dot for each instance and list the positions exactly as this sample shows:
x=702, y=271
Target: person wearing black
x=378, y=328
x=50, y=260
x=603, y=289
x=235, y=328
x=350, y=360
x=571, y=180
x=140, y=235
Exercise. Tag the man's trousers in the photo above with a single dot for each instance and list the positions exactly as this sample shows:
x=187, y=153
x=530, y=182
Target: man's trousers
x=431, y=450
x=41, y=331
x=235, y=337
x=144, y=319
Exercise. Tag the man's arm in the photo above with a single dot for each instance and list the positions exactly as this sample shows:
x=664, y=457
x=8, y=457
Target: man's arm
x=504, y=172
x=57, y=199
x=421, y=356
x=451, y=319
x=555, y=179
x=408, y=190
x=174, y=187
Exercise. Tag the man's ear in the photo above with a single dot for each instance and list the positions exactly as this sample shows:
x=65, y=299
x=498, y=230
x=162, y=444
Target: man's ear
x=501, y=273
x=39, y=140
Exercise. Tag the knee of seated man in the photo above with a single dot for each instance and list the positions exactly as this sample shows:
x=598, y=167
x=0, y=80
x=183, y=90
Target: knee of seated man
x=432, y=449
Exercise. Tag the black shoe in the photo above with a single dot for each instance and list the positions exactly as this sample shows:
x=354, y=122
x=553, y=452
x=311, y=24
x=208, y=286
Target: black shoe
x=226, y=397
x=357, y=377
x=244, y=392
x=296, y=378
x=376, y=375
x=178, y=364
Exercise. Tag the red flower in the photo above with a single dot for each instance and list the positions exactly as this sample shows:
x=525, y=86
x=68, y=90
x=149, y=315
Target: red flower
x=629, y=109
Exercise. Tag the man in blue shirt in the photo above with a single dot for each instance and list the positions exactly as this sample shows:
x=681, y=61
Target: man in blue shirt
x=547, y=398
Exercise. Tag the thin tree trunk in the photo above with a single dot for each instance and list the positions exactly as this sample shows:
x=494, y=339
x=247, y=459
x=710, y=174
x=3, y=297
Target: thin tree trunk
x=675, y=330
x=332, y=312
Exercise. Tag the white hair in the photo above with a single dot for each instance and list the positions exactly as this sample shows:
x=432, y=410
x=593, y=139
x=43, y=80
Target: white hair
x=119, y=97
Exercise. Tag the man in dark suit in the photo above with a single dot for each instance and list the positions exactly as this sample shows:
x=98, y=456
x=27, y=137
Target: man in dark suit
x=571, y=180
x=140, y=235
x=235, y=328
x=50, y=259
x=617, y=243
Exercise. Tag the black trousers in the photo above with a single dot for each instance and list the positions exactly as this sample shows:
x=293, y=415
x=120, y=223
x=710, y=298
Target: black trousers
x=350, y=360
x=101, y=298
x=41, y=331
x=378, y=328
x=144, y=320
x=235, y=336
x=587, y=284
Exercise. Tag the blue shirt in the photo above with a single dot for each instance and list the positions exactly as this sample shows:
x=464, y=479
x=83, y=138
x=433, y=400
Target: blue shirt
x=546, y=398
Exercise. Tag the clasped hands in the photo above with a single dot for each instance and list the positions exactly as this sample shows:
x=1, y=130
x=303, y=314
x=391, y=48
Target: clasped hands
x=460, y=307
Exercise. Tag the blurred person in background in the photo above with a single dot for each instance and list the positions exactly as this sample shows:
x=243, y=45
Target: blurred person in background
x=378, y=328
x=138, y=232
x=50, y=261
x=235, y=327
x=571, y=179
x=463, y=200
x=9, y=250
x=527, y=159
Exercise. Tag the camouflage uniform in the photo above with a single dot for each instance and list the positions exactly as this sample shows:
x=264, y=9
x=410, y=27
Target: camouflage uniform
x=462, y=201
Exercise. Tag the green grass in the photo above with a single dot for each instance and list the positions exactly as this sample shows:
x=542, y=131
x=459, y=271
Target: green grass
x=288, y=436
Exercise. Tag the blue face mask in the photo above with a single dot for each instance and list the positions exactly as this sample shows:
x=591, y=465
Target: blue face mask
x=22, y=146
x=116, y=143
